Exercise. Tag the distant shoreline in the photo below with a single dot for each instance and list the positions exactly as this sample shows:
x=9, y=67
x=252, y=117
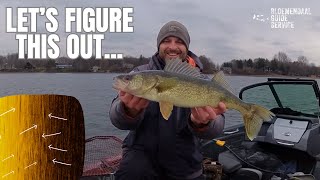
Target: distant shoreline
x=276, y=75
x=71, y=72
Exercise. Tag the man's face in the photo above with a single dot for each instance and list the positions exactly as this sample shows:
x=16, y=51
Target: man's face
x=172, y=48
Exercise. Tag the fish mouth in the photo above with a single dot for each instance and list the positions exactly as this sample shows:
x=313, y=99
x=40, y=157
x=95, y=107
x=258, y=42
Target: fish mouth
x=119, y=84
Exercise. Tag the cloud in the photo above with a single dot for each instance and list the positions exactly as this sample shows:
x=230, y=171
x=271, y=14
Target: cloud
x=279, y=43
x=315, y=24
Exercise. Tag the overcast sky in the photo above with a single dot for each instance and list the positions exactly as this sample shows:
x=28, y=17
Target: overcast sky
x=221, y=30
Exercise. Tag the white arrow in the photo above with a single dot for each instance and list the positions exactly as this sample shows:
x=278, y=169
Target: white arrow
x=8, y=157
x=50, y=147
x=47, y=135
x=33, y=164
x=50, y=116
x=54, y=162
x=8, y=174
x=34, y=126
x=12, y=109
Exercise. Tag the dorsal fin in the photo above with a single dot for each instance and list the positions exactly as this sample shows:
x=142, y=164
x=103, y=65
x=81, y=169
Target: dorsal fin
x=177, y=66
x=220, y=78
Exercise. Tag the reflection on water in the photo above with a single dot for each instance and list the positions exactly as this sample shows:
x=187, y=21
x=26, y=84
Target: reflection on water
x=95, y=93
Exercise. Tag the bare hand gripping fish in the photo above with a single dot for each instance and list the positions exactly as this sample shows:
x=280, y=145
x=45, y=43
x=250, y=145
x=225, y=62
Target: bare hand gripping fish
x=180, y=84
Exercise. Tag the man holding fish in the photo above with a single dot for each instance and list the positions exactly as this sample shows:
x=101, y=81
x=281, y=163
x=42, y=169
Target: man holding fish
x=157, y=148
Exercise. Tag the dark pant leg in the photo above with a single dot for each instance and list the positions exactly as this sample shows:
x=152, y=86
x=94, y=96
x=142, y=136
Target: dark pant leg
x=135, y=165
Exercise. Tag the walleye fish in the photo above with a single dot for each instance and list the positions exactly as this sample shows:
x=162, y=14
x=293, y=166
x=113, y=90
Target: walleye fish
x=181, y=85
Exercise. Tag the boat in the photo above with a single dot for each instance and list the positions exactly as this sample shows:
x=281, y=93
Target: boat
x=287, y=147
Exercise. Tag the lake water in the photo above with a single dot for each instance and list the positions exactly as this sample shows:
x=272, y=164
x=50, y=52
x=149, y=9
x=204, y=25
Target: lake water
x=95, y=93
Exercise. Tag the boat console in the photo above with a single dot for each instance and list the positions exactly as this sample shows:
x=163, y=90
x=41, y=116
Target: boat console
x=292, y=132
x=295, y=102
x=289, y=143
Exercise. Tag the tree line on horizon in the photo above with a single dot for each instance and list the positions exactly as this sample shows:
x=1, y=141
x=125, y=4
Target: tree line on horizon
x=280, y=64
x=11, y=63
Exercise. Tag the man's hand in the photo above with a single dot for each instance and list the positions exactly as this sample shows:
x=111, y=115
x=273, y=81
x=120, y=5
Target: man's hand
x=133, y=104
x=203, y=115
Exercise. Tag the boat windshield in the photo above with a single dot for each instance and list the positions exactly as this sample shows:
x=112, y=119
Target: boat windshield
x=296, y=99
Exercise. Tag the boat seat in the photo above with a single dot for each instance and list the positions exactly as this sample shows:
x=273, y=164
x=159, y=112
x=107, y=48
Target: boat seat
x=247, y=174
x=232, y=166
x=229, y=162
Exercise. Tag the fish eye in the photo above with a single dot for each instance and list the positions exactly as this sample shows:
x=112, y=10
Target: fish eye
x=127, y=77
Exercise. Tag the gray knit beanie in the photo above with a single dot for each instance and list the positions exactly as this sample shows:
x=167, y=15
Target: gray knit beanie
x=174, y=28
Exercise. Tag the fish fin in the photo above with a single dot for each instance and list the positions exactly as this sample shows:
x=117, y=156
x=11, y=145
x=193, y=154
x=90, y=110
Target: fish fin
x=220, y=78
x=177, y=66
x=166, y=109
x=254, y=118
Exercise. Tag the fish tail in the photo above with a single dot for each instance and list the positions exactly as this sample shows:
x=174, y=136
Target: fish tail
x=253, y=119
